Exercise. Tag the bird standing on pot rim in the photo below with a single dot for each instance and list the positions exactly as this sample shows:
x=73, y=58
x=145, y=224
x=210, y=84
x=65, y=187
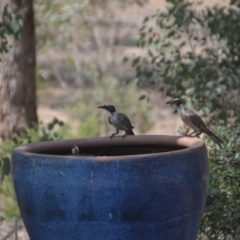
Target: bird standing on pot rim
x=194, y=121
x=119, y=120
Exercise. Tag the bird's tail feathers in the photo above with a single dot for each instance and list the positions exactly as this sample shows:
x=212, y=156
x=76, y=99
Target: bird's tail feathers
x=215, y=138
x=130, y=132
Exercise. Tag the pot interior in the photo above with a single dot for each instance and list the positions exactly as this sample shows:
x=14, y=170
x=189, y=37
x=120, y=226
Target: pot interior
x=104, y=146
x=110, y=150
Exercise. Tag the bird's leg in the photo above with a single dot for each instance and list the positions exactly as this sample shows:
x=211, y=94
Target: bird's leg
x=198, y=133
x=189, y=135
x=114, y=134
x=123, y=136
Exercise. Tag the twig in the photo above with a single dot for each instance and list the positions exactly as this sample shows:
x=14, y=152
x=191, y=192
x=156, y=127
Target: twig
x=16, y=229
x=10, y=233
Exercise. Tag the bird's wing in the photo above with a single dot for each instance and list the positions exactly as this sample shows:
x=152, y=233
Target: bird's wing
x=109, y=120
x=125, y=120
x=195, y=118
x=200, y=124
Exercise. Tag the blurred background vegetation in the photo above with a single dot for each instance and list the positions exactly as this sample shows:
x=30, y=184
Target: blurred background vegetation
x=91, y=53
x=79, y=58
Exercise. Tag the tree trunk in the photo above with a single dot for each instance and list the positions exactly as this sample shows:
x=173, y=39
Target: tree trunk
x=18, y=106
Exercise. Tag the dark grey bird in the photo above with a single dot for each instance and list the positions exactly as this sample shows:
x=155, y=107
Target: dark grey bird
x=119, y=120
x=194, y=121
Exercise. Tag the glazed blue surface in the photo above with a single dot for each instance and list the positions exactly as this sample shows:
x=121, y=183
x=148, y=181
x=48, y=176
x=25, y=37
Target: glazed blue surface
x=148, y=198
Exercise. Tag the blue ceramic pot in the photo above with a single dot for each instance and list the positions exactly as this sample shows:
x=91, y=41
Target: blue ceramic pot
x=139, y=188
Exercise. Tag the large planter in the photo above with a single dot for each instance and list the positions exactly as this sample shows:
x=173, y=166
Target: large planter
x=142, y=187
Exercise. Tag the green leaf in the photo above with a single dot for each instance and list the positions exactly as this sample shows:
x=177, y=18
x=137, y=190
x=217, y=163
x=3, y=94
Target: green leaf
x=150, y=53
x=142, y=97
x=171, y=33
x=142, y=44
x=210, y=84
x=145, y=19
x=6, y=168
x=142, y=28
x=135, y=61
x=190, y=91
x=126, y=81
x=125, y=59
x=61, y=123
x=150, y=40
x=221, y=88
x=50, y=126
x=154, y=59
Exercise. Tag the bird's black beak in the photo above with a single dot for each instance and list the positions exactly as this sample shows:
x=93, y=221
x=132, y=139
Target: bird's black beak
x=169, y=102
x=103, y=107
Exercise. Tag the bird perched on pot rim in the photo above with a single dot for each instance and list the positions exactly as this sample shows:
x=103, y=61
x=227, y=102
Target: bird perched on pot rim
x=119, y=120
x=194, y=121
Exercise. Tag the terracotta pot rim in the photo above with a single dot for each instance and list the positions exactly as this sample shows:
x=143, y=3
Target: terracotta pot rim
x=188, y=143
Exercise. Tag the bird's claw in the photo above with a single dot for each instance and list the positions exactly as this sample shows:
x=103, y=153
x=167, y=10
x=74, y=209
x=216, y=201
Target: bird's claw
x=190, y=135
x=187, y=135
x=112, y=136
x=123, y=136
